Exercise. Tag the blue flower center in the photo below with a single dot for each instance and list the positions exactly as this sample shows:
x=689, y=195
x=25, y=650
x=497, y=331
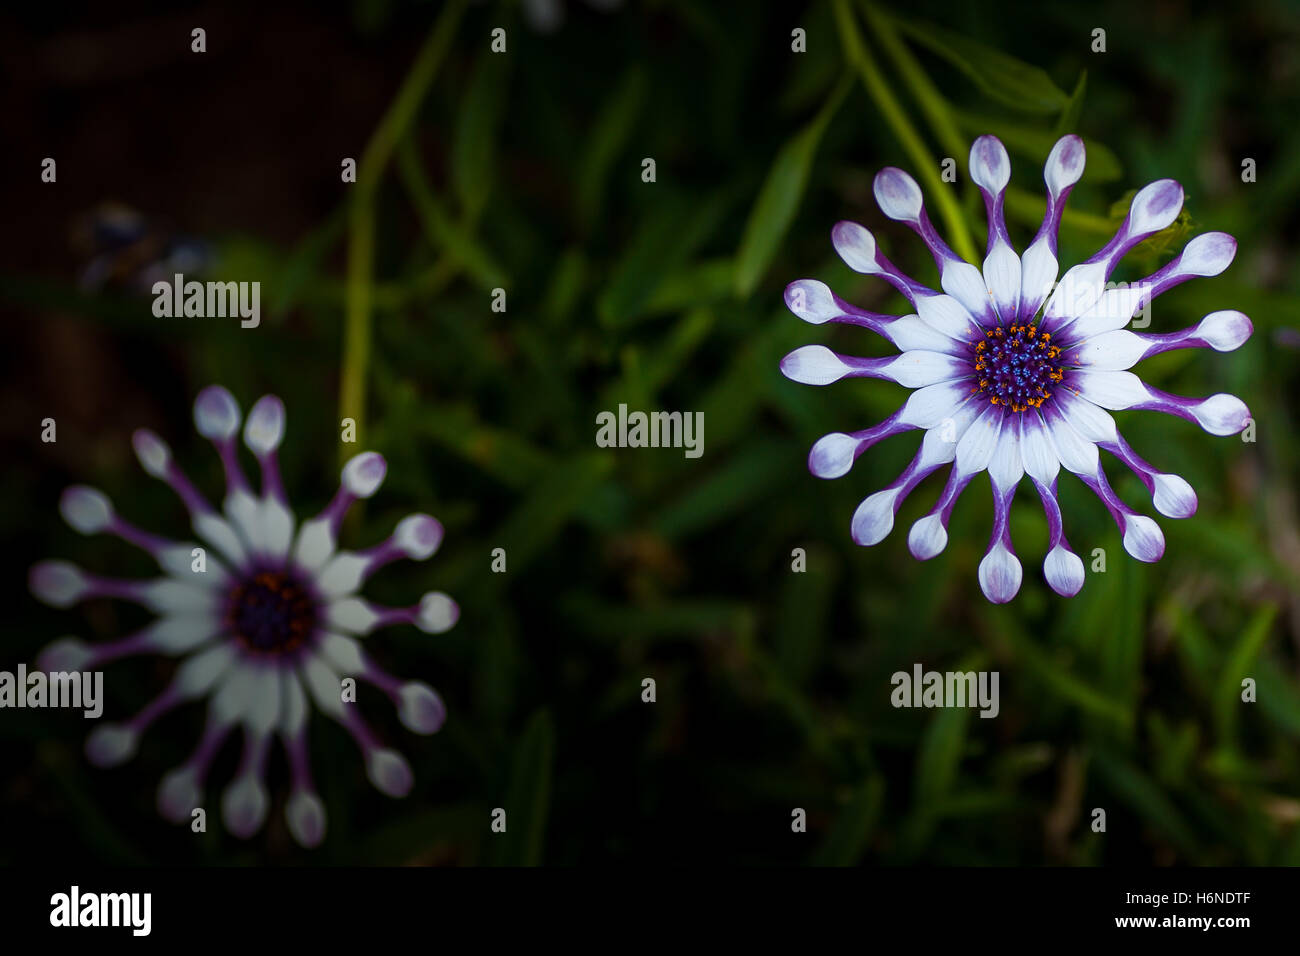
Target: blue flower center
x=1017, y=366
x=271, y=613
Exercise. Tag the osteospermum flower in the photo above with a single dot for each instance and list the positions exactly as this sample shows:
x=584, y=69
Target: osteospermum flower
x=266, y=622
x=1013, y=376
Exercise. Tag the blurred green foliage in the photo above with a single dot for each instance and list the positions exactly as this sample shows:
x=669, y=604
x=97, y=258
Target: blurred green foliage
x=523, y=171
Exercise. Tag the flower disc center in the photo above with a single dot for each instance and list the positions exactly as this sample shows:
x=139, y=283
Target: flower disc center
x=1017, y=366
x=271, y=612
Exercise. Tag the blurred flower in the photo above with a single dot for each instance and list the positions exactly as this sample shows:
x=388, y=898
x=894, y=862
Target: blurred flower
x=124, y=249
x=1011, y=374
x=263, y=627
x=547, y=16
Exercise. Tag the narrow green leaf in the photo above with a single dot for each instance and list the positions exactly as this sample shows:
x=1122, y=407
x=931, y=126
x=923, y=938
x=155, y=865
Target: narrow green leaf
x=528, y=798
x=852, y=830
x=613, y=129
x=473, y=150
x=778, y=200
x=1068, y=121
x=1240, y=665
x=1011, y=82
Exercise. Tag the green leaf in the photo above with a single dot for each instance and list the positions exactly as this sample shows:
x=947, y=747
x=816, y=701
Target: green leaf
x=1068, y=121
x=442, y=232
x=853, y=827
x=778, y=200
x=473, y=151
x=613, y=129
x=1240, y=664
x=528, y=798
x=1011, y=82
x=669, y=237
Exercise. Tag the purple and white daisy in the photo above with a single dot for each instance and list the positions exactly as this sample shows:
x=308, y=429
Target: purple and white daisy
x=266, y=617
x=1013, y=370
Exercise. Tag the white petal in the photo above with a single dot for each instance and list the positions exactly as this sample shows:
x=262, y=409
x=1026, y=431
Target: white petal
x=264, y=429
x=344, y=573
x=305, y=815
x=874, y=517
x=929, y=406
x=263, y=709
x=946, y=314
x=421, y=708
x=967, y=285
x=438, y=613
x=418, y=536
x=1221, y=414
x=293, y=710
x=1112, y=310
x=58, y=583
x=1038, y=270
x=1113, y=390
x=315, y=544
x=898, y=195
x=1155, y=206
x=200, y=673
x=1113, y=351
x=169, y=596
x=975, y=450
x=218, y=532
x=990, y=166
x=1000, y=574
x=856, y=246
x=1224, y=330
x=814, y=365
x=178, y=634
x=927, y=538
x=1143, y=538
x=833, y=455
x=152, y=451
x=243, y=806
x=343, y=654
x=1064, y=164
x=1064, y=571
x=1207, y=254
x=179, y=795
x=389, y=772
x=1074, y=451
x=111, y=744
x=86, y=509
x=1006, y=467
x=1002, y=276
x=811, y=300
x=1036, y=450
x=364, y=473
x=352, y=615
x=216, y=413
x=911, y=332
x=324, y=686
x=1173, y=496
x=918, y=368
x=236, y=696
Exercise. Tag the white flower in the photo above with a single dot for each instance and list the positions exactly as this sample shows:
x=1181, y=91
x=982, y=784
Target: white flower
x=1012, y=375
x=266, y=618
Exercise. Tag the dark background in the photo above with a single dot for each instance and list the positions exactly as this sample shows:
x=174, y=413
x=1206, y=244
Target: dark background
x=773, y=687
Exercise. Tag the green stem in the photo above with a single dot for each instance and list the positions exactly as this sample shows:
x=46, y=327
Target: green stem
x=361, y=214
x=932, y=103
x=855, y=52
